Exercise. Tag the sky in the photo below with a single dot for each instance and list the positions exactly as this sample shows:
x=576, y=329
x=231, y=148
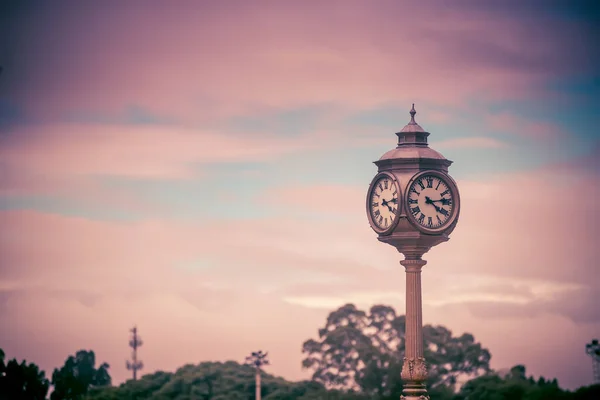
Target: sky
x=201, y=169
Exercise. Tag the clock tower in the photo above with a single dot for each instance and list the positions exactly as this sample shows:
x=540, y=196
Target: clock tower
x=413, y=204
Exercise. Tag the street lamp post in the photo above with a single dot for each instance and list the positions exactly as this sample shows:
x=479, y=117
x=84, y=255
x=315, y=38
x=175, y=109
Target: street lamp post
x=257, y=359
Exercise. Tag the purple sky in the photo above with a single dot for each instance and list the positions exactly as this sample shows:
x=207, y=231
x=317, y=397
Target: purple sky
x=201, y=171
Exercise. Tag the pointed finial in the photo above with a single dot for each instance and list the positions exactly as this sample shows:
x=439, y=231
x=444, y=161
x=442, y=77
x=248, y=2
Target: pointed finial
x=412, y=114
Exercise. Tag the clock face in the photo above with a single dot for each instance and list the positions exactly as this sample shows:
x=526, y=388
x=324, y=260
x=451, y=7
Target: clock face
x=384, y=201
x=430, y=201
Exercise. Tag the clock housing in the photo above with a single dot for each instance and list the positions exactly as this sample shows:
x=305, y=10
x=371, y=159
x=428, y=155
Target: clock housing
x=384, y=203
x=432, y=201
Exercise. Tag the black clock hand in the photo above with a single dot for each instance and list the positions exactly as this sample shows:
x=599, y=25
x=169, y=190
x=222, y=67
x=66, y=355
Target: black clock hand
x=443, y=200
x=432, y=202
x=429, y=201
x=385, y=203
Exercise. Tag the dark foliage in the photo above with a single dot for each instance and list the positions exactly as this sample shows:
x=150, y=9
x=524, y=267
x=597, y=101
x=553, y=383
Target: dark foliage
x=211, y=381
x=21, y=381
x=78, y=375
x=361, y=350
x=516, y=386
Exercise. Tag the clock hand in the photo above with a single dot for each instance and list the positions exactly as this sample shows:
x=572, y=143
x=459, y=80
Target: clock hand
x=432, y=202
x=443, y=200
x=386, y=204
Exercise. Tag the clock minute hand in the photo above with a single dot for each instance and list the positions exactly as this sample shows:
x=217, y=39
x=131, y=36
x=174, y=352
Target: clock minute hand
x=443, y=200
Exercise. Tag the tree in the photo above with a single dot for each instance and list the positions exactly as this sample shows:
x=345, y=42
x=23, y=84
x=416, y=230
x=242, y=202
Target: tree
x=78, y=375
x=364, y=351
x=21, y=381
x=592, y=349
x=228, y=381
x=257, y=359
x=513, y=386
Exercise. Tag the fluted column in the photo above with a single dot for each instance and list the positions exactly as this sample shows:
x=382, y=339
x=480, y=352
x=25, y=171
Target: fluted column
x=414, y=369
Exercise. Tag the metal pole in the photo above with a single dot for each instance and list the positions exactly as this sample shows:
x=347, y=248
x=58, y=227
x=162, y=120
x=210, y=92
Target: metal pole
x=257, y=383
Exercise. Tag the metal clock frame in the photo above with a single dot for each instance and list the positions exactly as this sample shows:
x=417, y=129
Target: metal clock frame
x=394, y=180
x=455, y=198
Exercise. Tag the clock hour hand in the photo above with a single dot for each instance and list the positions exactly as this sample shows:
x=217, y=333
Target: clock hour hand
x=432, y=202
x=385, y=203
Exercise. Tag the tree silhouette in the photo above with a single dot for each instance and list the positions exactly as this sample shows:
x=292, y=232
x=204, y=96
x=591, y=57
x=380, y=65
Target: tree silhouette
x=78, y=375
x=592, y=349
x=365, y=351
x=21, y=381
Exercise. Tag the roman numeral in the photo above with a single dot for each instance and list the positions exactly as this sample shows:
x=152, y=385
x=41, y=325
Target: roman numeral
x=393, y=211
x=444, y=212
x=438, y=185
x=385, y=183
x=412, y=201
x=421, y=218
x=386, y=222
x=380, y=219
x=413, y=190
x=439, y=220
x=429, y=221
x=375, y=205
x=420, y=182
x=445, y=192
x=429, y=180
x=380, y=187
x=395, y=191
x=415, y=210
x=377, y=213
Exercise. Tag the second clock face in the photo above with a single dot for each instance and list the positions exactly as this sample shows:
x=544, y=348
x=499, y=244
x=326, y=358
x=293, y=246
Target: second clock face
x=430, y=201
x=383, y=202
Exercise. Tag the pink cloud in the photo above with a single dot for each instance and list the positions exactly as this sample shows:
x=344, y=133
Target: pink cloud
x=470, y=142
x=525, y=243
x=176, y=278
x=69, y=160
x=514, y=125
x=210, y=64
x=519, y=218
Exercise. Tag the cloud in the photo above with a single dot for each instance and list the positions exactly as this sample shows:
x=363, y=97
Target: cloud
x=153, y=96
x=577, y=305
x=514, y=125
x=286, y=57
x=471, y=142
x=328, y=199
x=143, y=152
x=513, y=218
x=204, y=281
x=513, y=228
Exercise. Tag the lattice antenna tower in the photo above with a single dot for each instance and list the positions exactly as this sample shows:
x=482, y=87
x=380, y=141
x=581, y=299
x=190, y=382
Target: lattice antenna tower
x=135, y=342
x=592, y=349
